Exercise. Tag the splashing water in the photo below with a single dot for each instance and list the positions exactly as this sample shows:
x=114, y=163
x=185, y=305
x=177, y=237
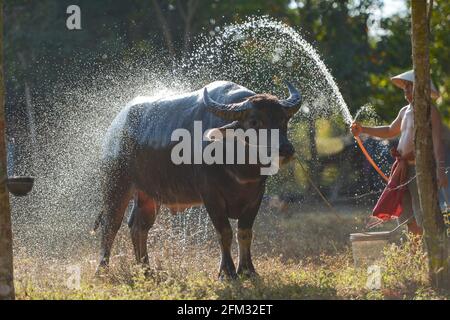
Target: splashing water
x=57, y=216
x=367, y=112
x=263, y=51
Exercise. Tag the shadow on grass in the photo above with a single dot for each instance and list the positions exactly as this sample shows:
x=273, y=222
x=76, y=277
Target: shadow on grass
x=263, y=289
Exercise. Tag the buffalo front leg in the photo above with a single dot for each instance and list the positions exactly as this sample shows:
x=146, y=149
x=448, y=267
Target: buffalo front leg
x=227, y=268
x=142, y=218
x=216, y=208
x=245, y=235
x=245, y=266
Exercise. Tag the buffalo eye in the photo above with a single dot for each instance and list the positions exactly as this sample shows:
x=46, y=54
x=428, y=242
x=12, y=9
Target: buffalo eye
x=254, y=123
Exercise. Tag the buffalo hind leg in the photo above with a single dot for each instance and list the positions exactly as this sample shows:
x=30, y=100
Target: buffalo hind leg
x=142, y=218
x=116, y=198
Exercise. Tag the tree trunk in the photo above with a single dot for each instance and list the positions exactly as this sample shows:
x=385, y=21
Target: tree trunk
x=165, y=28
x=6, y=256
x=433, y=224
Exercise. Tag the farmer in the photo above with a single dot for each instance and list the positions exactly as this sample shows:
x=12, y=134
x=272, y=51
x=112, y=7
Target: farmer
x=400, y=199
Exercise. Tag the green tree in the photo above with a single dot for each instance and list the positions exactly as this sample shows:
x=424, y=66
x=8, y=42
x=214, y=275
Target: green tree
x=393, y=55
x=340, y=32
x=440, y=54
x=434, y=228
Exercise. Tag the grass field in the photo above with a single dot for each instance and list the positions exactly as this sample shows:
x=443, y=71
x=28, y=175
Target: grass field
x=305, y=255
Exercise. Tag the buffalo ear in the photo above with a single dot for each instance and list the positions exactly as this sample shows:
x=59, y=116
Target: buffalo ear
x=218, y=134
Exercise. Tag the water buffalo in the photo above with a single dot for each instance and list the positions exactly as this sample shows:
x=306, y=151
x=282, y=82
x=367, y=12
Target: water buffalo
x=137, y=161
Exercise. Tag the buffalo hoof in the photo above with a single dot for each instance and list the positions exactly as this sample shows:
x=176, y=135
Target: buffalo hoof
x=228, y=277
x=147, y=271
x=248, y=274
x=227, y=274
x=227, y=270
x=102, y=270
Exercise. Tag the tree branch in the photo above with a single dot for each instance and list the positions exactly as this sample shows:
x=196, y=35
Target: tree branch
x=430, y=11
x=165, y=28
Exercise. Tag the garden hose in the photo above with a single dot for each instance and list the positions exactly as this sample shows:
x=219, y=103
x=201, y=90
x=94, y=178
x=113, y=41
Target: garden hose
x=369, y=158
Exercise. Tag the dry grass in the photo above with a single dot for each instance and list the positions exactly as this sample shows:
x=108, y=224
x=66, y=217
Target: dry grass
x=304, y=256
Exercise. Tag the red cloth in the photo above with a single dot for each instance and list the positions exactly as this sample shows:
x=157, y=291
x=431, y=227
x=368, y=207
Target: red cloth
x=389, y=204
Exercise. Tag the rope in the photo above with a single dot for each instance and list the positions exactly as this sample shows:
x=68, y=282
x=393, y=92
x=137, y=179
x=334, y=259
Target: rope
x=325, y=200
x=397, y=227
x=329, y=205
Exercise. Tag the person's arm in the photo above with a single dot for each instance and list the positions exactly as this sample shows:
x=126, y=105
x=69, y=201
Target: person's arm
x=384, y=132
x=438, y=146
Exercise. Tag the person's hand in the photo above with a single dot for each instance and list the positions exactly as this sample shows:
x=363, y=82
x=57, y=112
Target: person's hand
x=356, y=129
x=442, y=179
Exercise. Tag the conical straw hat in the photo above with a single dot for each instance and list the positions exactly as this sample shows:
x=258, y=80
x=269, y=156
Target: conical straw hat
x=400, y=79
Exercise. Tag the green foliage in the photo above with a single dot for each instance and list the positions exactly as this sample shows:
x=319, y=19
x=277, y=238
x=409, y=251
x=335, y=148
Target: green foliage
x=439, y=54
x=393, y=55
x=38, y=47
x=339, y=31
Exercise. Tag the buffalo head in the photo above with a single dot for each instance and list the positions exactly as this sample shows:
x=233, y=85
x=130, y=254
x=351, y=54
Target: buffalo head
x=261, y=111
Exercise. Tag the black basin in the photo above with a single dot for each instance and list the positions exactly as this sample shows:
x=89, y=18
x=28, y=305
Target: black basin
x=20, y=186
